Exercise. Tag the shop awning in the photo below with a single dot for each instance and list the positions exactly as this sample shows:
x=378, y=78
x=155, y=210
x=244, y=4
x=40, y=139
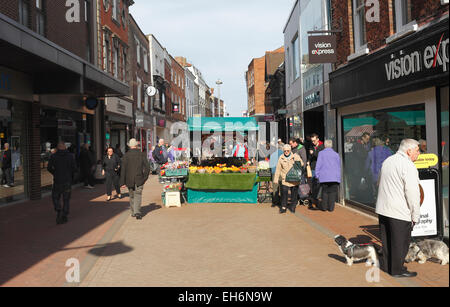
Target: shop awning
x=222, y=124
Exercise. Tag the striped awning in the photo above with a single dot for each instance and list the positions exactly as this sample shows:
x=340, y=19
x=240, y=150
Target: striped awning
x=359, y=131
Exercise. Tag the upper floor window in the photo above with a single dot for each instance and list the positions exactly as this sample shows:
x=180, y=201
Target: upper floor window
x=295, y=58
x=138, y=50
x=24, y=12
x=40, y=20
x=402, y=13
x=359, y=20
x=115, y=9
x=145, y=60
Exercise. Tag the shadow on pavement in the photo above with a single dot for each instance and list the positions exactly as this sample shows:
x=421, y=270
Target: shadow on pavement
x=361, y=239
x=111, y=249
x=373, y=231
x=338, y=258
x=29, y=234
x=147, y=209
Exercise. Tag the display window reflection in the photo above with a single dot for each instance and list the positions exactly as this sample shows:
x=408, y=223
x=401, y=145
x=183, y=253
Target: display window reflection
x=369, y=139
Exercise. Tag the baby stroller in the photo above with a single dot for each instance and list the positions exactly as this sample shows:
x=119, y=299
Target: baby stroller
x=304, y=194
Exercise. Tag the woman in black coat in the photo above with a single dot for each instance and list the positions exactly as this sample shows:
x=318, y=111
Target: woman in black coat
x=111, y=168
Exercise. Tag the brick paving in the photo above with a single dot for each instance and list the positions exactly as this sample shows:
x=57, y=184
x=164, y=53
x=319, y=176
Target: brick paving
x=196, y=245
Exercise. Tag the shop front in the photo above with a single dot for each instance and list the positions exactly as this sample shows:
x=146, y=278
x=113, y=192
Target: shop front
x=67, y=119
x=118, y=122
x=397, y=93
x=15, y=100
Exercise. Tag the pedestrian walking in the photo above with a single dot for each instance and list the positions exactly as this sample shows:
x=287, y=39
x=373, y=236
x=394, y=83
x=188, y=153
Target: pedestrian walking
x=134, y=173
x=285, y=164
x=398, y=207
x=298, y=148
x=316, y=147
x=7, y=166
x=328, y=172
x=62, y=166
x=160, y=154
x=111, y=171
x=87, y=163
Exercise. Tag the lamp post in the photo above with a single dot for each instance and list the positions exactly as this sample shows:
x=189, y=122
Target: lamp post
x=219, y=83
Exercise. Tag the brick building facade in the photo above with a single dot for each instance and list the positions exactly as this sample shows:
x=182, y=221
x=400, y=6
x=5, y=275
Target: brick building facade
x=178, y=93
x=256, y=79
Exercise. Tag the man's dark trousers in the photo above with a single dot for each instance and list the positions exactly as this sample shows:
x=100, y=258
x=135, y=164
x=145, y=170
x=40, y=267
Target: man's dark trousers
x=63, y=190
x=395, y=237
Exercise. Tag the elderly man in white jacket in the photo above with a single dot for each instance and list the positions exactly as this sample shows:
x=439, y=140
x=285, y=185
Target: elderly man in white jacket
x=398, y=206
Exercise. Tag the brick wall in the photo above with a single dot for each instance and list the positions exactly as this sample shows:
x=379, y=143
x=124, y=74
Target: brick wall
x=377, y=32
x=70, y=36
x=10, y=8
x=178, y=89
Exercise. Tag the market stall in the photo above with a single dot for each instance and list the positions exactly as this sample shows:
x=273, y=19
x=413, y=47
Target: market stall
x=221, y=177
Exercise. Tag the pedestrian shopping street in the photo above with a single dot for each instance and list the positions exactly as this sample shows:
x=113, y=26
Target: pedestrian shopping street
x=239, y=245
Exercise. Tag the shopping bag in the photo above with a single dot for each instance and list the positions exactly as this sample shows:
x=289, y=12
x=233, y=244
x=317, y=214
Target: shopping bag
x=304, y=190
x=98, y=172
x=309, y=171
x=296, y=173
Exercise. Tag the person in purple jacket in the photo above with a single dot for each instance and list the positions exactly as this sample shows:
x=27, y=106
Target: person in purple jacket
x=328, y=171
x=375, y=159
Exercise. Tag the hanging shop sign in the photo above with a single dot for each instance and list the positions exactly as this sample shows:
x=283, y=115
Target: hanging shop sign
x=322, y=49
x=119, y=106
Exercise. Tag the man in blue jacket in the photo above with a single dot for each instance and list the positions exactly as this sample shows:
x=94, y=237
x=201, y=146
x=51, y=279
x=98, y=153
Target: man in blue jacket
x=328, y=172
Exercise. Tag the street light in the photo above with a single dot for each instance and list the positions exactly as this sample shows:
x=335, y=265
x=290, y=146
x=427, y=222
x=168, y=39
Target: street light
x=219, y=83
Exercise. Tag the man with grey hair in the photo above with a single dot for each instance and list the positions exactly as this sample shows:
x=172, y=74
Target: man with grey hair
x=398, y=206
x=423, y=146
x=134, y=173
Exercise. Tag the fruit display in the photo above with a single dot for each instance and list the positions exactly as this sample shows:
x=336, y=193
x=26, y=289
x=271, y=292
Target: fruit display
x=218, y=169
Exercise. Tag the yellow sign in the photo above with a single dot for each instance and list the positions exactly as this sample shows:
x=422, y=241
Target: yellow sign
x=2, y=135
x=426, y=161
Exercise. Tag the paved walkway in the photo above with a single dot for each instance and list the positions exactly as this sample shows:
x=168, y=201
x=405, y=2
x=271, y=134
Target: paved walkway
x=196, y=245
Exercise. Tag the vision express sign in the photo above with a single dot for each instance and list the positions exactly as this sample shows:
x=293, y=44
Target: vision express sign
x=322, y=49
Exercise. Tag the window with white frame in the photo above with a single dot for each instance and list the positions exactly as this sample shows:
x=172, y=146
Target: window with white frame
x=296, y=58
x=146, y=103
x=145, y=60
x=359, y=24
x=402, y=12
x=139, y=94
x=124, y=65
x=116, y=62
x=138, y=50
x=115, y=7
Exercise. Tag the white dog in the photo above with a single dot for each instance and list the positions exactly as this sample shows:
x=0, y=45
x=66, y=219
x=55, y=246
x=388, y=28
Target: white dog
x=426, y=249
x=356, y=252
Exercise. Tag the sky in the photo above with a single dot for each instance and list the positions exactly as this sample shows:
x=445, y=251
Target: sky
x=219, y=37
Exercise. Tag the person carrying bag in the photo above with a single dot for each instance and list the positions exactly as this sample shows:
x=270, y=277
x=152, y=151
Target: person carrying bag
x=289, y=172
